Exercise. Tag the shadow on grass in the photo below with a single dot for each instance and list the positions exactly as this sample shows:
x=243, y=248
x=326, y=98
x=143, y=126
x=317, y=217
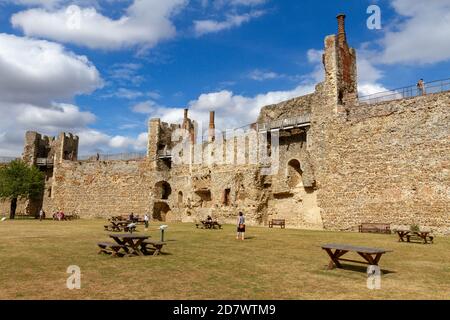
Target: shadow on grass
x=360, y=268
x=164, y=254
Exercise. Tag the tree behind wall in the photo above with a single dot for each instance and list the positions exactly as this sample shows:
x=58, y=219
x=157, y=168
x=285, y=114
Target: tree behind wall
x=18, y=181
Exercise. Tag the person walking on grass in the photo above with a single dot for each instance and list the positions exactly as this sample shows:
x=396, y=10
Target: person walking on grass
x=240, y=227
x=41, y=215
x=146, y=219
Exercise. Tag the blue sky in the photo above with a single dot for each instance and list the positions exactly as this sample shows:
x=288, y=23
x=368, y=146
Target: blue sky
x=103, y=78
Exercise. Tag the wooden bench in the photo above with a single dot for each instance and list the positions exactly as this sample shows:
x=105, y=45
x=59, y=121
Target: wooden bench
x=111, y=248
x=154, y=244
x=371, y=256
x=375, y=228
x=277, y=222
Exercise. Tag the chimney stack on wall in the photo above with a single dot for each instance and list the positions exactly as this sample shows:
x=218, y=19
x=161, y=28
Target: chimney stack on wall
x=342, y=37
x=212, y=125
x=185, y=124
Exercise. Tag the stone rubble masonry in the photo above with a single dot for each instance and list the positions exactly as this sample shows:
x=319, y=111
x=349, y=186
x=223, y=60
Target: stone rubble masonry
x=54, y=150
x=354, y=163
x=295, y=107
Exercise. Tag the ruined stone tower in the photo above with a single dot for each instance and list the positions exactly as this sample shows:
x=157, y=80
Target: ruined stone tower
x=45, y=153
x=339, y=62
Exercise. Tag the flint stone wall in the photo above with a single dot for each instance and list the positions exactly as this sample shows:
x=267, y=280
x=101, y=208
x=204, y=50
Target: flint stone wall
x=389, y=162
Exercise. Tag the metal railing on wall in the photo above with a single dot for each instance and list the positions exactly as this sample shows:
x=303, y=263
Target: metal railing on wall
x=111, y=157
x=44, y=162
x=297, y=121
x=407, y=92
x=285, y=123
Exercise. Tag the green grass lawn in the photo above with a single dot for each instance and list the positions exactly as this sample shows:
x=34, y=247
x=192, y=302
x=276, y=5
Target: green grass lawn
x=211, y=264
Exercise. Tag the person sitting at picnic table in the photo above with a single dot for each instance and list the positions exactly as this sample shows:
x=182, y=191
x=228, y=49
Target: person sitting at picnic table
x=131, y=217
x=59, y=215
x=209, y=219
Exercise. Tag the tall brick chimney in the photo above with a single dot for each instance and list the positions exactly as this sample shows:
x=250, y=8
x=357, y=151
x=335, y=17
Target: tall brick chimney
x=342, y=37
x=185, y=124
x=212, y=126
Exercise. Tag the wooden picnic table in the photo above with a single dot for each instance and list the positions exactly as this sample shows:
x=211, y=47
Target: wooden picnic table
x=206, y=224
x=119, y=226
x=404, y=234
x=371, y=256
x=132, y=243
x=120, y=218
x=155, y=245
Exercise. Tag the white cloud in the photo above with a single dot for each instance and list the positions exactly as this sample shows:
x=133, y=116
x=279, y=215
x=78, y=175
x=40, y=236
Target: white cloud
x=126, y=73
x=17, y=118
x=93, y=141
x=43, y=3
x=145, y=23
x=33, y=75
x=124, y=93
x=38, y=71
x=130, y=94
x=58, y=116
x=424, y=35
x=232, y=110
x=368, y=88
x=203, y=27
x=145, y=107
x=314, y=57
x=259, y=75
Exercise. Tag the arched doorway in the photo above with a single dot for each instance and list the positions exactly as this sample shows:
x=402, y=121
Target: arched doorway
x=160, y=210
x=163, y=190
x=294, y=173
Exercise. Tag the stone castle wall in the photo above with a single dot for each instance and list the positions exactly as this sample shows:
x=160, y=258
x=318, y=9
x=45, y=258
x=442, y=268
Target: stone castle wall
x=100, y=188
x=389, y=163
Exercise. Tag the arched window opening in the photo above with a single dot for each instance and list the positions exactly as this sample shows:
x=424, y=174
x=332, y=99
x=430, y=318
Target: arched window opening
x=294, y=173
x=163, y=190
x=180, y=198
